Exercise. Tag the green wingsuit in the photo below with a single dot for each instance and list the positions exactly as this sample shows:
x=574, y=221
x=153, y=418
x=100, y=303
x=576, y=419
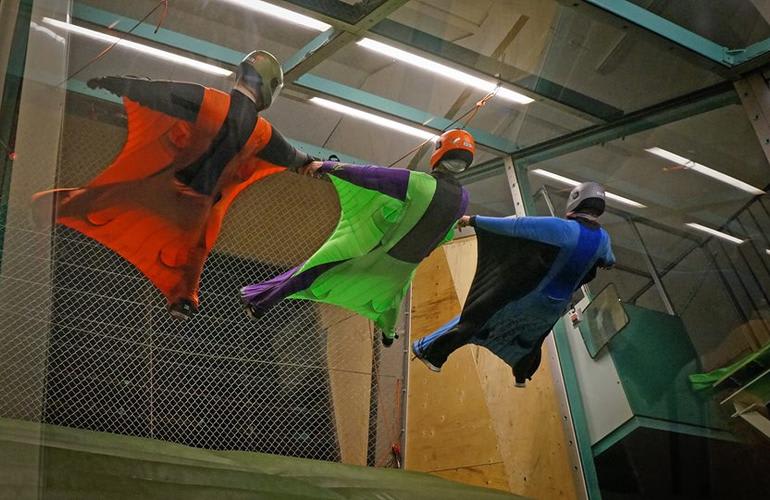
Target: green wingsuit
x=390, y=220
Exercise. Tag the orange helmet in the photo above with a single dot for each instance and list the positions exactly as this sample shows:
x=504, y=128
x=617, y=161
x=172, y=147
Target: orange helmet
x=454, y=144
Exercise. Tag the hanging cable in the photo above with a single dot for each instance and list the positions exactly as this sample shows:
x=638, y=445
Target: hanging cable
x=471, y=111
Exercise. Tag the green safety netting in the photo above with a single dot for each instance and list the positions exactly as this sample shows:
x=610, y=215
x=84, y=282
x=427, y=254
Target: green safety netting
x=38, y=460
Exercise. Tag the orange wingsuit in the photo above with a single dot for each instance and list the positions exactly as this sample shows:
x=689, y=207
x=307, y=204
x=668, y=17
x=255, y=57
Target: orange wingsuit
x=138, y=209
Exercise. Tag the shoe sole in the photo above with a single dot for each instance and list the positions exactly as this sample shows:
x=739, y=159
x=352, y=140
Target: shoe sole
x=179, y=316
x=427, y=363
x=248, y=310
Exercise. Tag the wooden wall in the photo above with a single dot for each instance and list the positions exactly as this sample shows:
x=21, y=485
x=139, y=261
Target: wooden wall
x=469, y=423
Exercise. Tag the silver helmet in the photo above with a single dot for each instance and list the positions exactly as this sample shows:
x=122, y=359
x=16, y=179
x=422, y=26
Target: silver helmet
x=586, y=197
x=261, y=73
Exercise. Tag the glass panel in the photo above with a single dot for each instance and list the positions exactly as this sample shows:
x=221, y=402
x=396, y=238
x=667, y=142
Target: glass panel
x=88, y=341
x=227, y=24
x=719, y=289
x=379, y=74
x=675, y=193
x=732, y=23
x=602, y=319
x=350, y=11
x=564, y=53
x=491, y=196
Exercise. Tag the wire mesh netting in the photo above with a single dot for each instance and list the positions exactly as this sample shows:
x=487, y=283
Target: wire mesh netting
x=87, y=341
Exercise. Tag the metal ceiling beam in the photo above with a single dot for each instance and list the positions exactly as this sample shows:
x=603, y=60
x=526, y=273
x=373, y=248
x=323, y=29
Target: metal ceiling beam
x=661, y=26
x=315, y=52
x=329, y=42
x=734, y=59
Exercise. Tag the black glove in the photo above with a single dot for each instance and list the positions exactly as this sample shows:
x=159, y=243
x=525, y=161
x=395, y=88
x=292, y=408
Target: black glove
x=388, y=341
x=96, y=83
x=117, y=85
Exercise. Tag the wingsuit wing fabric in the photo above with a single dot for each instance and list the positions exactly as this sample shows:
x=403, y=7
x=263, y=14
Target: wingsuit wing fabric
x=368, y=262
x=521, y=287
x=137, y=207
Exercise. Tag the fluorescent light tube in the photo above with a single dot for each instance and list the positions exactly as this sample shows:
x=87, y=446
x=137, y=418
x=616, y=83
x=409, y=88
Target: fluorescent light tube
x=704, y=170
x=714, y=232
x=556, y=177
x=146, y=49
x=625, y=201
x=573, y=183
x=443, y=70
x=372, y=118
x=281, y=13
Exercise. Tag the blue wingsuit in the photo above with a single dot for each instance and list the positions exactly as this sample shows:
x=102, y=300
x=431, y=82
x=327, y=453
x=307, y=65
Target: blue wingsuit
x=527, y=270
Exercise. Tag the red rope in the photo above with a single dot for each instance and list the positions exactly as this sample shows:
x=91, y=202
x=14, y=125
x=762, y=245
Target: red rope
x=472, y=112
x=163, y=3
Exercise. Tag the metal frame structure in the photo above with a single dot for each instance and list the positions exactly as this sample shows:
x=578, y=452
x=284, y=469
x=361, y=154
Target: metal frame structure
x=727, y=57
x=611, y=123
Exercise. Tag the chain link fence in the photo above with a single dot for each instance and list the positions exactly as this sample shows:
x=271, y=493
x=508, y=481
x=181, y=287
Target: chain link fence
x=87, y=342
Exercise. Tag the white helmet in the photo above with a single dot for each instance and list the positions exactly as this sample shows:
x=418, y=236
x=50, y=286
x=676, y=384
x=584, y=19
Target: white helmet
x=586, y=197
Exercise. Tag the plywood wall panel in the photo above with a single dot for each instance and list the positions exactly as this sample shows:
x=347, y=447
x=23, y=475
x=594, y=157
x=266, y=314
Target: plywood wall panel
x=443, y=432
x=349, y=352
x=469, y=423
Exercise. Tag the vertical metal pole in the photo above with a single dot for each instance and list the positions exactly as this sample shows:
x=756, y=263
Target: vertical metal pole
x=515, y=187
x=755, y=97
x=653, y=271
x=579, y=469
x=404, y=392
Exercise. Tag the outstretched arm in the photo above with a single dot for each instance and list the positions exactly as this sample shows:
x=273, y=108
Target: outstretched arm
x=550, y=230
x=390, y=181
x=279, y=152
x=177, y=99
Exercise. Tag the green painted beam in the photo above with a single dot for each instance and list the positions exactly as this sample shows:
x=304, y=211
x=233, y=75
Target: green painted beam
x=300, y=62
x=634, y=423
x=579, y=420
x=661, y=26
x=751, y=52
x=146, y=30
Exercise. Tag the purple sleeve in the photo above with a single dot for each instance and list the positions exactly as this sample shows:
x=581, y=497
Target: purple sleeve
x=390, y=181
x=463, y=203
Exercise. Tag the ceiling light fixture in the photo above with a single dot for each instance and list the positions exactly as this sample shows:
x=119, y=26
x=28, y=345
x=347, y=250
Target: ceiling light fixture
x=146, y=49
x=372, y=118
x=572, y=182
x=443, y=70
x=714, y=232
x=281, y=13
x=704, y=170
